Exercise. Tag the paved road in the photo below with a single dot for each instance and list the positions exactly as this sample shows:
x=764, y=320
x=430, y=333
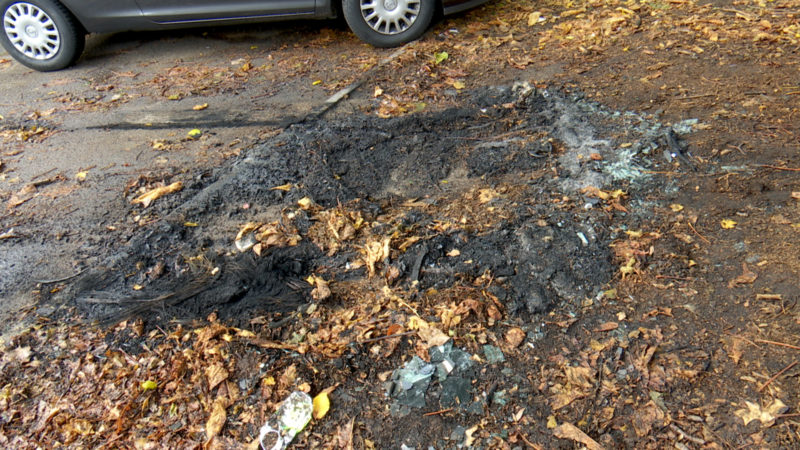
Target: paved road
x=123, y=112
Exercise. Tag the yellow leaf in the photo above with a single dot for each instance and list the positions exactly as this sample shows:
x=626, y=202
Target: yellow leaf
x=728, y=224
x=149, y=385
x=676, y=207
x=284, y=187
x=159, y=145
x=149, y=197
x=627, y=269
x=634, y=234
x=200, y=107
x=190, y=224
x=305, y=203
x=533, y=18
x=194, y=134
x=552, y=422
x=321, y=405
x=453, y=253
x=459, y=85
x=216, y=420
x=174, y=97
x=137, y=287
x=81, y=176
x=316, y=83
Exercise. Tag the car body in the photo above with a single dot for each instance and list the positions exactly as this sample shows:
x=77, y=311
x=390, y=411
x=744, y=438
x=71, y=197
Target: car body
x=49, y=34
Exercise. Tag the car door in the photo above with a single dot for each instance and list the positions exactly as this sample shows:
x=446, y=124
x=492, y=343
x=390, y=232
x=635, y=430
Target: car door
x=172, y=11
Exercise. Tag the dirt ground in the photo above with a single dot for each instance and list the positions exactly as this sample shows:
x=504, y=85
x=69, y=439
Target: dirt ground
x=545, y=225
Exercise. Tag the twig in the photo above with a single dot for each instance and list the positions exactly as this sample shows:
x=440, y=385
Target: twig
x=774, y=377
x=381, y=338
x=667, y=277
x=686, y=436
x=435, y=413
x=696, y=96
x=698, y=233
x=526, y=441
x=59, y=280
x=789, y=169
x=764, y=341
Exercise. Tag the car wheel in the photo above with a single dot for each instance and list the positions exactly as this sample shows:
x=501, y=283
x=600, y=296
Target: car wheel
x=40, y=34
x=388, y=23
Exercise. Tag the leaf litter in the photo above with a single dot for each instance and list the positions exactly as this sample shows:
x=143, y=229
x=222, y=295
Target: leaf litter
x=628, y=372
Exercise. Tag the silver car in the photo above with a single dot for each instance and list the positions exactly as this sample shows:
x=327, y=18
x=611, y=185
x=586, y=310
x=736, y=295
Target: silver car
x=49, y=34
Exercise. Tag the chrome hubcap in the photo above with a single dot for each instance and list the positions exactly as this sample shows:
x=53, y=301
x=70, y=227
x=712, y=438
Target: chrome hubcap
x=390, y=16
x=31, y=31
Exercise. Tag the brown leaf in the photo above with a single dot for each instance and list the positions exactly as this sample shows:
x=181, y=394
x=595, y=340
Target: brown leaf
x=344, y=435
x=433, y=336
x=608, y=326
x=217, y=418
x=569, y=431
x=735, y=348
x=747, y=277
x=321, y=289
x=215, y=374
x=22, y=196
x=150, y=196
x=515, y=336
x=644, y=419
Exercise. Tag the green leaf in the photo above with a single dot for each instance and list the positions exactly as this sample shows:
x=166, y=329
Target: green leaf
x=149, y=385
x=440, y=57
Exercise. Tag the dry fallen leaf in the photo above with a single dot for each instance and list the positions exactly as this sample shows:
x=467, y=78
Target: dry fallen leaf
x=728, y=224
x=608, y=326
x=764, y=415
x=215, y=375
x=515, y=336
x=433, y=336
x=200, y=107
x=217, y=418
x=645, y=418
x=321, y=289
x=569, y=431
x=747, y=277
x=150, y=196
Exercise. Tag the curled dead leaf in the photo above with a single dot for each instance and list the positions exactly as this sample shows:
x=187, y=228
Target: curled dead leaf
x=569, y=431
x=150, y=196
x=515, y=336
x=747, y=277
x=217, y=418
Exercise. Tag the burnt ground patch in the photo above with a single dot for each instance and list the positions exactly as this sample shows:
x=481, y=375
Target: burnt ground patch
x=439, y=180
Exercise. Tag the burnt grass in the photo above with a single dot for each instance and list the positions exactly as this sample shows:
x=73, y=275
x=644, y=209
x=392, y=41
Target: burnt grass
x=543, y=244
x=542, y=254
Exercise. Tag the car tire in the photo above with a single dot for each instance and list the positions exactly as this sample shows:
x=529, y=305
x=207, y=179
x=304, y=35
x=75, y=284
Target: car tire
x=40, y=34
x=388, y=23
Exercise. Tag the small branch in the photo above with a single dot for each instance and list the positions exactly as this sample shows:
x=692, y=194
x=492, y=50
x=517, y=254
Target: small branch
x=696, y=96
x=781, y=344
x=667, y=277
x=381, y=338
x=788, y=169
x=436, y=413
x=774, y=377
x=59, y=280
x=698, y=233
x=686, y=436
